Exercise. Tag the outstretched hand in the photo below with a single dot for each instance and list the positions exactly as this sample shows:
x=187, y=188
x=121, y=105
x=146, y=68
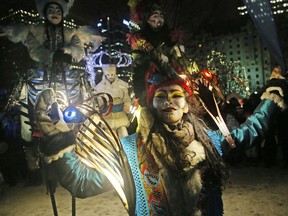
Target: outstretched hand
x=278, y=87
x=204, y=90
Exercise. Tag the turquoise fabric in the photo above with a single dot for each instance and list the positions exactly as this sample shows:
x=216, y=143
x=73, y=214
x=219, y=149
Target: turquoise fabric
x=215, y=139
x=79, y=179
x=130, y=148
x=254, y=128
x=115, y=108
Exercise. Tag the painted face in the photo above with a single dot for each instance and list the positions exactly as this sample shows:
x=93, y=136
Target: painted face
x=170, y=103
x=54, y=14
x=156, y=20
x=110, y=73
x=110, y=77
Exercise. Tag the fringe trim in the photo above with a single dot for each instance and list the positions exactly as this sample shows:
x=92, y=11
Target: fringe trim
x=276, y=98
x=60, y=154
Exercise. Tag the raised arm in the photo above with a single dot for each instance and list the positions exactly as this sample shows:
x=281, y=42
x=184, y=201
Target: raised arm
x=274, y=100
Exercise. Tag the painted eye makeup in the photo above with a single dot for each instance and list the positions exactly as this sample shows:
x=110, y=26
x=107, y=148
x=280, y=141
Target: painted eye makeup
x=176, y=94
x=171, y=95
x=52, y=10
x=160, y=94
x=156, y=15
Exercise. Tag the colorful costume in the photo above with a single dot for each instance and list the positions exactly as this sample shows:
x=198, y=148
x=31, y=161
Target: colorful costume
x=153, y=36
x=174, y=159
x=159, y=193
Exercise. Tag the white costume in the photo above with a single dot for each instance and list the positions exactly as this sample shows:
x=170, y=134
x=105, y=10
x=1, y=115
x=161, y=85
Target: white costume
x=43, y=42
x=40, y=51
x=118, y=89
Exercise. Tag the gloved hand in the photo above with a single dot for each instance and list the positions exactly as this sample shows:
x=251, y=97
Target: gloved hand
x=59, y=137
x=204, y=90
x=60, y=57
x=277, y=90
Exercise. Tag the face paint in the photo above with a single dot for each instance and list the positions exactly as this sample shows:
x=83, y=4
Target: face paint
x=170, y=103
x=110, y=73
x=110, y=77
x=54, y=14
x=156, y=20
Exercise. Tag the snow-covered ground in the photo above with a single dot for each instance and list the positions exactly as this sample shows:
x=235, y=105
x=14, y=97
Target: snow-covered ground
x=252, y=191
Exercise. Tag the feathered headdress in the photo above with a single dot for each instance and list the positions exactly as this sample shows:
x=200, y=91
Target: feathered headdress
x=161, y=73
x=65, y=5
x=140, y=10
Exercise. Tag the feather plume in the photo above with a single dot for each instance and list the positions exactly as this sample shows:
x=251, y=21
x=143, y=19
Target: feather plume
x=15, y=33
x=89, y=35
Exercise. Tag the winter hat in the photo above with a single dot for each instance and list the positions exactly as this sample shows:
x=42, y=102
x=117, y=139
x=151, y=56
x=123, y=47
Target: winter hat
x=65, y=5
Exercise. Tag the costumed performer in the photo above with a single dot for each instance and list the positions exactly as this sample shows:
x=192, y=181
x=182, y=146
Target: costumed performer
x=154, y=34
x=174, y=157
x=118, y=89
x=53, y=47
x=48, y=44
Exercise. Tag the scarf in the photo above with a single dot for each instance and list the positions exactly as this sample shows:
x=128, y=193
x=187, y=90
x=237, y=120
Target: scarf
x=180, y=193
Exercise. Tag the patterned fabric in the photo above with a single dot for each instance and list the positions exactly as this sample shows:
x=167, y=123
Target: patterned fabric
x=151, y=198
x=138, y=43
x=152, y=183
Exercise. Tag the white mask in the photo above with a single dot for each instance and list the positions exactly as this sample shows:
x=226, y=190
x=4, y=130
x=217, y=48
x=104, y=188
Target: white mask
x=156, y=20
x=54, y=14
x=109, y=72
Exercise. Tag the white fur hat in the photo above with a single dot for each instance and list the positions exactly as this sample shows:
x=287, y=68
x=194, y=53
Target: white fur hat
x=65, y=4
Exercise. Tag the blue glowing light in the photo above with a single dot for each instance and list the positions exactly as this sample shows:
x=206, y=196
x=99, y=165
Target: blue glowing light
x=72, y=115
x=125, y=22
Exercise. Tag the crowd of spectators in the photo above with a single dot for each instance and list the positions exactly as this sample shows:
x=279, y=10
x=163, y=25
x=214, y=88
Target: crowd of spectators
x=269, y=152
